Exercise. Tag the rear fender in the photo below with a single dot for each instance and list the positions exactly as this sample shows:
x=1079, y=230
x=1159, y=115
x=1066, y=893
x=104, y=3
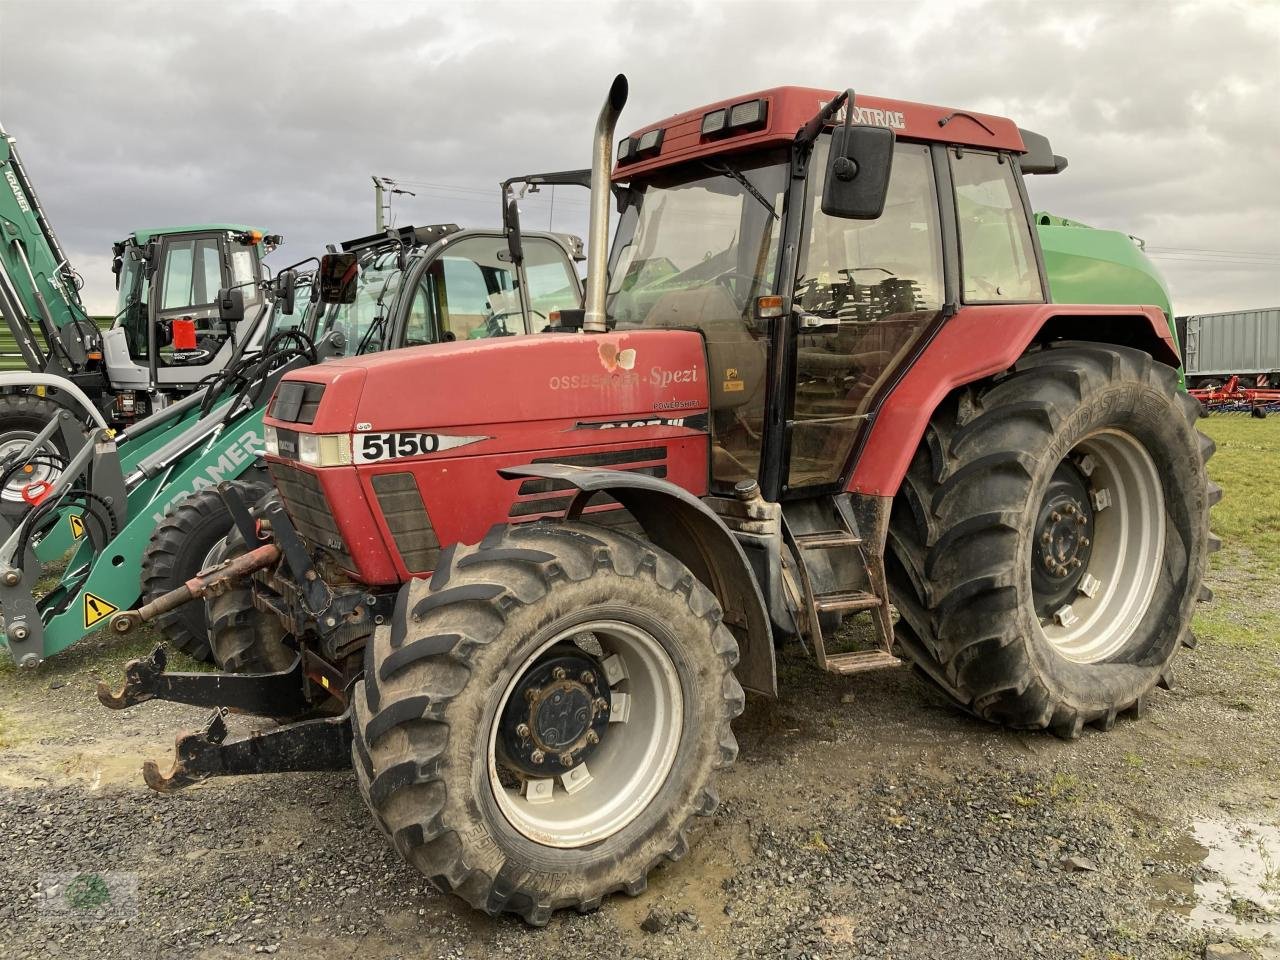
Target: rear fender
x=681, y=524
x=979, y=342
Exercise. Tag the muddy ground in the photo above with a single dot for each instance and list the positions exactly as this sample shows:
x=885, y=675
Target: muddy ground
x=866, y=818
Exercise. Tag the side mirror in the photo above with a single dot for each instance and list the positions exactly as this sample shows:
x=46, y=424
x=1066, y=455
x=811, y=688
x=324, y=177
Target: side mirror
x=858, y=166
x=337, y=277
x=511, y=221
x=231, y=305
x=287, y=291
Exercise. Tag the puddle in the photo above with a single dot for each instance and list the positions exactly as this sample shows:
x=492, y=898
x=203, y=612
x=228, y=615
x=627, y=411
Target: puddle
x=1236, y=889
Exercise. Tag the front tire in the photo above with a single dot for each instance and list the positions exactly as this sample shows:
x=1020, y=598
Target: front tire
x=542, y=719
x=184, y=543
x=1049, y=542
x=22, y=417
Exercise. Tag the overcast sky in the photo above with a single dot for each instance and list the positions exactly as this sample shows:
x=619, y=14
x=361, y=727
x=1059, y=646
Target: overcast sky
x=276, y=113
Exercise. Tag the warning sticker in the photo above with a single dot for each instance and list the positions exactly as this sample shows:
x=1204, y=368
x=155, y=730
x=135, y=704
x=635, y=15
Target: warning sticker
x=96, y=610
x=77, y=525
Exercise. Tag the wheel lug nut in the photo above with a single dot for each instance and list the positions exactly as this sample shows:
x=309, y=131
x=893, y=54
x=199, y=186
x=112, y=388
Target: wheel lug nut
x=522, y=731
x=1084, y=541
x=1046, y=537
x=1081, y=519
x=558, y=673
x=599, y=704
x=1075, y=562
x=592, y=737
x=530, y=694
x=566, y=759
x=587, y=677
x=537, y=756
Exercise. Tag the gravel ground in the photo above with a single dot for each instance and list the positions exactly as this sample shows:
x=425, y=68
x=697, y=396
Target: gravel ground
x=866, y=818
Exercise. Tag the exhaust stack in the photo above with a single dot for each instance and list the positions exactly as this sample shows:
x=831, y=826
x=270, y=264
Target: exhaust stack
x=593, y=320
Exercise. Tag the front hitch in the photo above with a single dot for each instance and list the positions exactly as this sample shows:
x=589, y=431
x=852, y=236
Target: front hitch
x=281, y=695
x=318, y=744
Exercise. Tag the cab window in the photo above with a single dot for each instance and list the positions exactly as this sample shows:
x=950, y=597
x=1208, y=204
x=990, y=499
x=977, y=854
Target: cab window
x=997, y=259
x=192, y=273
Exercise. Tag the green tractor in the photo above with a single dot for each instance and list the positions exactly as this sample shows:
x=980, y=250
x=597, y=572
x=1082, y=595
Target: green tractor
x=168, y=337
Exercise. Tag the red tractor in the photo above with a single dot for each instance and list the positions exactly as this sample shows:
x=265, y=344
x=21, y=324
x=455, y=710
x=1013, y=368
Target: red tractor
x=525, y=581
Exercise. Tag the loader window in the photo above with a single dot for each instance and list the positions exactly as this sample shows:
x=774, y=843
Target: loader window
x=997, y=259
x=880, y=281
x=192, y=274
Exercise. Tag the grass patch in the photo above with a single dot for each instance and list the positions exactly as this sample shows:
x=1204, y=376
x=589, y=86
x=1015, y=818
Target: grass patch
x=1246, y=572
x=1248, y=517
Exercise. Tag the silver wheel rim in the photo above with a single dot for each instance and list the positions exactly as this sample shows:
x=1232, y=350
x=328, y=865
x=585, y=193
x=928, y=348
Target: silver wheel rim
x=1120, y=578
x=12, y=443
x=620, y=778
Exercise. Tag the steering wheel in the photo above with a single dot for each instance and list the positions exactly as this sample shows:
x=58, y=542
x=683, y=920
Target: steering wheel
x=498, y=318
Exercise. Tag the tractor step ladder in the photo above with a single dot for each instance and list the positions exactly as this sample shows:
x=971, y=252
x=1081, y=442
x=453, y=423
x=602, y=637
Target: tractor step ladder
x=875, y=601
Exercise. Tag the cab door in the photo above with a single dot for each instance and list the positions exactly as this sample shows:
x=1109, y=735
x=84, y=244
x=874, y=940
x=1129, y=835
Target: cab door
x=866, y=292
x=192, y=268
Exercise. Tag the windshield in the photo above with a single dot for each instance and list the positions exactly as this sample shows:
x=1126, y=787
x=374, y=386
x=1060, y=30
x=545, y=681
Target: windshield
x=131, y=303
x=700, y=237
x=363, y=322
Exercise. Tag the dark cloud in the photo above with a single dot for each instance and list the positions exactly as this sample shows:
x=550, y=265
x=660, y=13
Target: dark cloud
x=133, y=114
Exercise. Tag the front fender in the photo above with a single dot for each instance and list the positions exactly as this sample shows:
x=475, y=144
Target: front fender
x=680, y=523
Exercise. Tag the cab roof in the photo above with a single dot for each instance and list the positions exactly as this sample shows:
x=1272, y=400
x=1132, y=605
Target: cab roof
x=787, y=109
x=146, y=236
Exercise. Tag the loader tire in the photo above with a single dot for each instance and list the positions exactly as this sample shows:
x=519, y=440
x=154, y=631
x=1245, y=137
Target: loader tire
x=1081, y=464
x=22, y=417
x=243, y=638
x=182, y=544
x=517, y=644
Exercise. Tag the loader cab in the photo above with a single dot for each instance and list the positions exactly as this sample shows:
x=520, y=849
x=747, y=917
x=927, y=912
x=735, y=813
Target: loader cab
x=811, y=316
x=167, y=334
x=442, y=283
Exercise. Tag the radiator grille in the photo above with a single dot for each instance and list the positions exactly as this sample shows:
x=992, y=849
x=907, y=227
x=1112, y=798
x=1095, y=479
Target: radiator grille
x=296, y=401
x=307, y=507
x=406, y=517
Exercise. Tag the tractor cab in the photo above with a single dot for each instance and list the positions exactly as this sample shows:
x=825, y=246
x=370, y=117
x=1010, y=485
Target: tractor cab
x=810, y=311
x=168, y=333
x=441, y=283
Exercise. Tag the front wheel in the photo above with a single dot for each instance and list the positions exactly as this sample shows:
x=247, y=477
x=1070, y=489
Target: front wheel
x=543, y=718
x=1049, y=542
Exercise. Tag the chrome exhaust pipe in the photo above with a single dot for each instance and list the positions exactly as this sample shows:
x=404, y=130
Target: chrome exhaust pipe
x=593, y=320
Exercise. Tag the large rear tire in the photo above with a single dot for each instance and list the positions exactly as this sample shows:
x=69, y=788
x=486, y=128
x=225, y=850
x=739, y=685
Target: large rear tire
x=1049, y=542
x=543, y=718
x=185, y=542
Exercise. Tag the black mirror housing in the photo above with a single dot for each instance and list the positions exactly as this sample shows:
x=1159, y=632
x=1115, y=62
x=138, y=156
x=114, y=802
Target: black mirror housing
x=337, y=277
x=858, y=167
x=287, y=291
x=231, y=305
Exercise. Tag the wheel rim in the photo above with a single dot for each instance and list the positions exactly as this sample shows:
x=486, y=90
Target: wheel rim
x=12, y=443
x=1092, y=587
x=639, y=713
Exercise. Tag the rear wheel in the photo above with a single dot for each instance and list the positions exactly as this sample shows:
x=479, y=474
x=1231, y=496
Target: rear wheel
x=1050, y=539
x=185, y=542
x=22, y=417
x=544, y=717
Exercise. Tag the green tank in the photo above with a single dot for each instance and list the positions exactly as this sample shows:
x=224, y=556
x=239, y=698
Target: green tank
x=1088, y=265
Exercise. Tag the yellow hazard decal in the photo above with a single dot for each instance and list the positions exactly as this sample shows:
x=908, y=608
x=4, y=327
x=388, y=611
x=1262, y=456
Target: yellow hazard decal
x=77, y=525
x=96, y=610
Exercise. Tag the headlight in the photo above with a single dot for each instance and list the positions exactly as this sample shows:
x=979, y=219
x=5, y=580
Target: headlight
x=270, y=442
x=324, y=449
